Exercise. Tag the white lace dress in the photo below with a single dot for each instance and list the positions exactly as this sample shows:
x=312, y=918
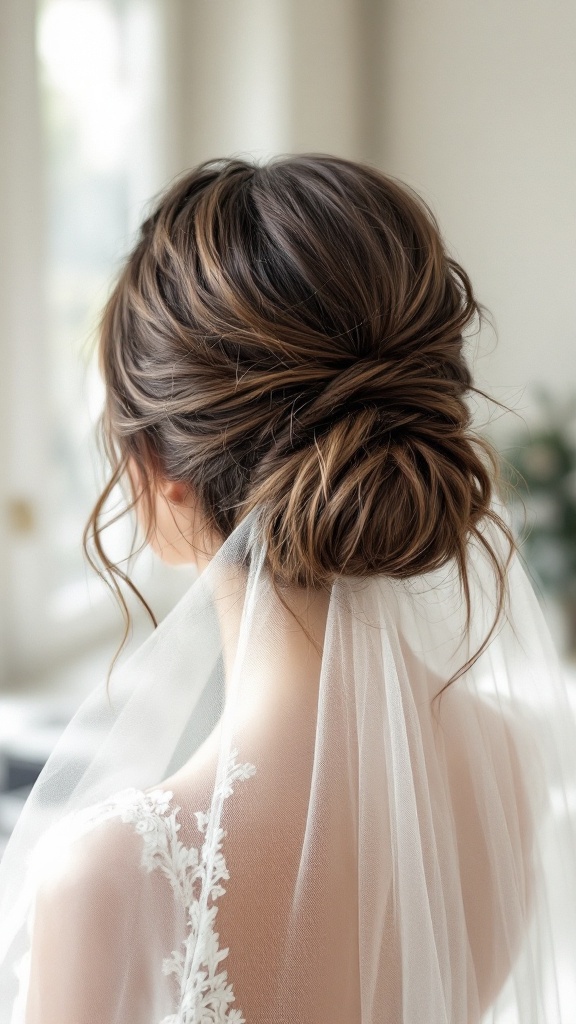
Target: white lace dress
x=198, y=989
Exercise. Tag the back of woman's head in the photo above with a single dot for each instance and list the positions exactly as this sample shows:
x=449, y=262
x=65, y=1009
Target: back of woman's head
x=290, y=336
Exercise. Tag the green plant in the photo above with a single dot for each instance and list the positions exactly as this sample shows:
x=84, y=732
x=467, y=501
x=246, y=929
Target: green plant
x=541, y=467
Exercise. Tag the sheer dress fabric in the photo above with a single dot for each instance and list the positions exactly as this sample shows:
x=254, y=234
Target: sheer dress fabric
x=216, y=840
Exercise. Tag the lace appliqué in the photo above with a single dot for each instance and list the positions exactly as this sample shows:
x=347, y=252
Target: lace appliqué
x=196, y=877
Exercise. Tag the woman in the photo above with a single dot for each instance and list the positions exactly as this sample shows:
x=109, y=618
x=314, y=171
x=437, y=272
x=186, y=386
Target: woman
x=322, y=791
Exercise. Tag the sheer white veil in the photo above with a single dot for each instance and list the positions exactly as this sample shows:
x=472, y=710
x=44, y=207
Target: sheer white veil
x=214, y=841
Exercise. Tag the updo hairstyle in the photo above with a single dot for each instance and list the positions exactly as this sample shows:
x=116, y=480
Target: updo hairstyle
x=290, y=336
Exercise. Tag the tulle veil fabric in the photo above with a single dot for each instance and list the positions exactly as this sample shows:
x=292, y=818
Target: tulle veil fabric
x=213, y=840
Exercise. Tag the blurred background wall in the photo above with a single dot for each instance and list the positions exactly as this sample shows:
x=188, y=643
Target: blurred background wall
x=479, y=108
x=102, y=102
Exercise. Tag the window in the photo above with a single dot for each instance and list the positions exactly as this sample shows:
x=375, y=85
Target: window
x=99, y=111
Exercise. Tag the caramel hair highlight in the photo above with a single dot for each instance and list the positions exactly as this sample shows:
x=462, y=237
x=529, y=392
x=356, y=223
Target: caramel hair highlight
x=289, y=336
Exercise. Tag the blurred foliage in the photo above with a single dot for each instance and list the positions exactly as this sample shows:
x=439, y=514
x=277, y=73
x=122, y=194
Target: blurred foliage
x=541, y=468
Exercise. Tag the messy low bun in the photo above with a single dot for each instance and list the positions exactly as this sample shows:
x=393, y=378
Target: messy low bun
x=290, y=336
x=394, y=486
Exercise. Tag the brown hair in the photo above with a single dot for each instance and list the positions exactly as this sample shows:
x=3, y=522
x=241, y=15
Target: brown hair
x=290, y=336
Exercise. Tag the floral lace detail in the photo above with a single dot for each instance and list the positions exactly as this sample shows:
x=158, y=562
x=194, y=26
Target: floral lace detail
x=196, y=877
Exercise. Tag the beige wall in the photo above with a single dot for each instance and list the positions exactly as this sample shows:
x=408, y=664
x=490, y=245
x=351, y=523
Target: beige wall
x=479, y=112
x=263, y=77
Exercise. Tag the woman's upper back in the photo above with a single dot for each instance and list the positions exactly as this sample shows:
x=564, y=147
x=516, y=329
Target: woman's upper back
x=236, y=885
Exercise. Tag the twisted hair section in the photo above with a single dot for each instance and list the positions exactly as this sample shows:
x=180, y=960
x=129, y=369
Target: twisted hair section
x=290, y=336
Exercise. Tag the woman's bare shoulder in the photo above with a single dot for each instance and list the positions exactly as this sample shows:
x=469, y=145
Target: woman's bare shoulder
x=92, y=852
